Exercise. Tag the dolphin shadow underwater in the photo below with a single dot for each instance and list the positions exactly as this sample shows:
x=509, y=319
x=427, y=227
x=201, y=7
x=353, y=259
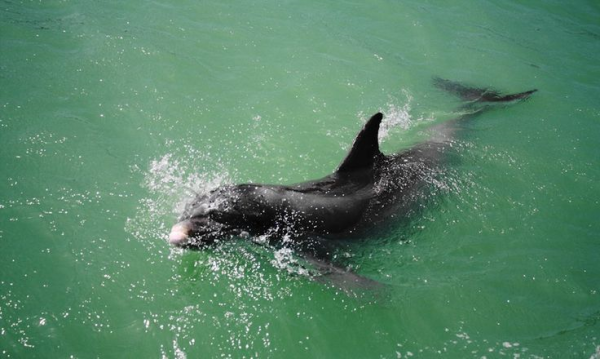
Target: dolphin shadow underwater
x=366, y=189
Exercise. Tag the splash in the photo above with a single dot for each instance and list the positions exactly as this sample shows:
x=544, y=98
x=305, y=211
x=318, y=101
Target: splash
x=284, y=259
x=170, y=177
x=170, y=182
x=398, y=117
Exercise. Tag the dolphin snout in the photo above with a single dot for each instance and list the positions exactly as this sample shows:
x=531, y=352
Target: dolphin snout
x=180, y=233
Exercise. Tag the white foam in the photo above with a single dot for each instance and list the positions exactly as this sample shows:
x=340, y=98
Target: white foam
x=397, y=116
x=284, y=259
x=171, y=182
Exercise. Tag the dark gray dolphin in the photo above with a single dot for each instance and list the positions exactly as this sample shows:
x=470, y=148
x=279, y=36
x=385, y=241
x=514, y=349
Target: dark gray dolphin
x=365, y=189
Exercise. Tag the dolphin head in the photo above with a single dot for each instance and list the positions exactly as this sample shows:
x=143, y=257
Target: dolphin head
x=196, y=231
x=195, y=226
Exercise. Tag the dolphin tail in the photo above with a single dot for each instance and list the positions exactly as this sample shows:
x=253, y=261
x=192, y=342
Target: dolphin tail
x=479, y=95
x=477, y=100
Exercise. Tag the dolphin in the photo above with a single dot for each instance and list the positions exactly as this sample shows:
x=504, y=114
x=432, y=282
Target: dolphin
x=367, y=187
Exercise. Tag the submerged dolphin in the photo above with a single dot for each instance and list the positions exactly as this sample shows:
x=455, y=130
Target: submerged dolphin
x=365, y=189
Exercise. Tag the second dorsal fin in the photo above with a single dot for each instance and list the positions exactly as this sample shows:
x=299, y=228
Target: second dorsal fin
x=365, y=148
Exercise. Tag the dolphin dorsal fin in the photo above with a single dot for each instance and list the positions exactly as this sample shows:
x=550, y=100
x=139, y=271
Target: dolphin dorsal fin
x=365, y=148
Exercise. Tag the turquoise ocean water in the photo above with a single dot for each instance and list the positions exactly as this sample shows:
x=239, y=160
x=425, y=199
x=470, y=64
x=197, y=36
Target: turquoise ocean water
x=113, y=113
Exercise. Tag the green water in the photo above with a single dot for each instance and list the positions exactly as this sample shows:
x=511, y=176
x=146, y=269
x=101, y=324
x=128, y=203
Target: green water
x=112, y=113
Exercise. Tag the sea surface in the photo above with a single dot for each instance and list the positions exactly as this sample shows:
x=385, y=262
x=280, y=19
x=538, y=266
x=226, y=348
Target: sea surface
x=114, y=113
